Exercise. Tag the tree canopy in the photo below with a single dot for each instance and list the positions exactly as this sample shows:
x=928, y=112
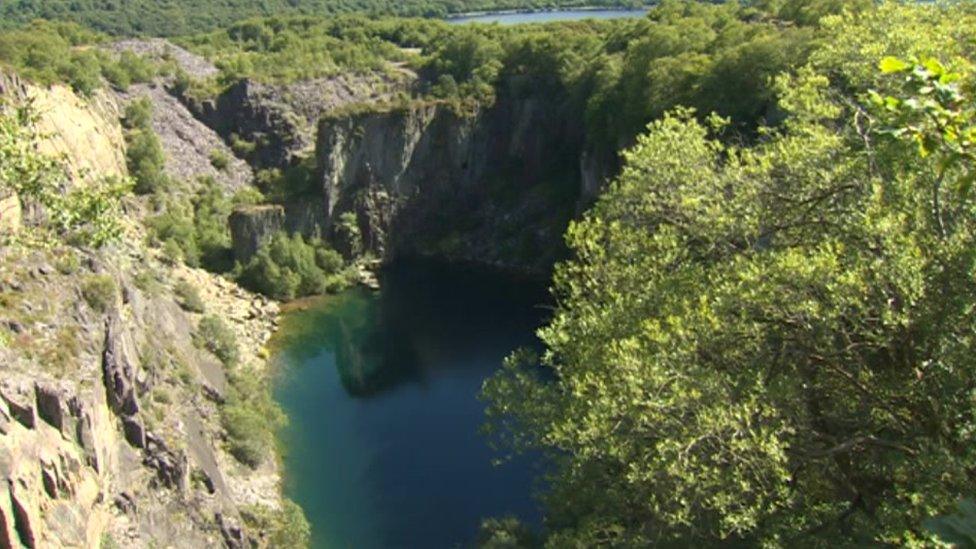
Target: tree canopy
x=180, y=17
x=773, y=342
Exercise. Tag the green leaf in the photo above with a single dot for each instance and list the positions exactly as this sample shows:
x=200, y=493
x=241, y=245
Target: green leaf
x=890, y=65
x=934, y=67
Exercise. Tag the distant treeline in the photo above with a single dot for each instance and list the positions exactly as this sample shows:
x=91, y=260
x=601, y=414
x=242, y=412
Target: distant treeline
x=177, y=17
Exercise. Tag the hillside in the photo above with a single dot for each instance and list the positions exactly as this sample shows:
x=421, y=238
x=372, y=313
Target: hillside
x=179, y=17
x=757, y=218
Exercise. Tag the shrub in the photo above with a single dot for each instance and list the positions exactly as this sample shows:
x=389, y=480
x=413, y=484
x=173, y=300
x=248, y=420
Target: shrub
x=350, y=237
x=286, y=527
x=137, y=68
x=189, y=297
x=172, y=252
x=245, y=434
x=195, y=230
x=145, y=159
x=138, y=114
x=219, y=160
x=99, y=292
x=288, y=267
x=250, y=417
x=328, y=259
x=218, y=338
x=148, y=281
x=117, y=76
x=67, y=262
x=144, y=153
x=175, y=229
x=241, y=146
x=85, y=214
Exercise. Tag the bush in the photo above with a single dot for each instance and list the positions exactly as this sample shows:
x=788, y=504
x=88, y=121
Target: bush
x=328, y=260
x=145, y=159
x=245, y=433
x=250, y=418
x=350, y=237
x=143, y=152
x=99, y=292
x=219, y=160
x=172, y=253
x=149, y=281
x=138, y=114
x=189, y=297
x=67, y=262
x=241, y=146
x=175, y=230
x=137, y=68
x=286, y=527
x=195, y=230
x=215, y=336
x=87, y=214
x=288, y=267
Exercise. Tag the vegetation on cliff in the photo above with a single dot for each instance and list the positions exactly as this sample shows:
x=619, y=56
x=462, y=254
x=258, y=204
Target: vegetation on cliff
x=771, y=343
x=49, y=52
x=289, y=266
x=617, y=75
x=765, y=333
x=83, y=215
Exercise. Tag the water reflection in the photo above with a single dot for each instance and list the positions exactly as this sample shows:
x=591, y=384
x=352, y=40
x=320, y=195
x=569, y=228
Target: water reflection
x=382, y=449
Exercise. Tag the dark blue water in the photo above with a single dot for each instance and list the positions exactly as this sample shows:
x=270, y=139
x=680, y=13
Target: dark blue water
x=382, y=448
x=547, y=16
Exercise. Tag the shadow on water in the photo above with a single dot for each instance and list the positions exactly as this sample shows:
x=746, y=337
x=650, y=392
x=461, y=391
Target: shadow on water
x=382, y=448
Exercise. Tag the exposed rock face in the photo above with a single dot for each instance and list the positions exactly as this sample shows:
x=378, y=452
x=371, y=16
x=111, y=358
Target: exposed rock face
x=54, y=461
x=490, y=186
x=252, y=226
x=280, y=120
x=84, y=131
x=88, y=447
x=189, y=145
x=109, y=419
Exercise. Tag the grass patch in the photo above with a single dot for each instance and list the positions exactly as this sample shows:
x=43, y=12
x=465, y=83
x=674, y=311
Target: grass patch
x=99, y=291
x=189, y=297
x=214, y=335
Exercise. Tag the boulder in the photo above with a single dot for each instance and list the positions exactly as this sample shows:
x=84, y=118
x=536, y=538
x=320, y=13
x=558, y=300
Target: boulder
x=17, y=394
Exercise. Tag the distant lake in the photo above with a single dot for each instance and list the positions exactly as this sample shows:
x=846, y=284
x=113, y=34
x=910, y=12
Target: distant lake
x=516, y=18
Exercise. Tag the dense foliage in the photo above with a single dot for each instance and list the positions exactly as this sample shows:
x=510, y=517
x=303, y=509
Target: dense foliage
x=179, y=17
x=614, y=76
x=296, y=48
x=772, y=343
x=143, y=151
x=62, y=52
x=192, y=227
x=289, y=266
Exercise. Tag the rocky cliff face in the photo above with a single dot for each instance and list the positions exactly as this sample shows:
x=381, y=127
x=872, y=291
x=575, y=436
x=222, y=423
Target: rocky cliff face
x=109, y=417
x=84, y=131
x=253, y=226
x=109, y=409
x=494, y=186
x=279, y=120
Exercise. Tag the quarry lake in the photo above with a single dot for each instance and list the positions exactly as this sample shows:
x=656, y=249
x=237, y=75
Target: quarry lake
x=545, y=16
x=383, y=448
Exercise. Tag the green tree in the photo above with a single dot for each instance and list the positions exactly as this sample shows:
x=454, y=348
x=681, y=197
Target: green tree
x=767, y=343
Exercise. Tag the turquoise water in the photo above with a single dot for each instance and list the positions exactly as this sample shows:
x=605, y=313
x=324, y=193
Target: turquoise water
x=382, y=447
x=547, y=16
